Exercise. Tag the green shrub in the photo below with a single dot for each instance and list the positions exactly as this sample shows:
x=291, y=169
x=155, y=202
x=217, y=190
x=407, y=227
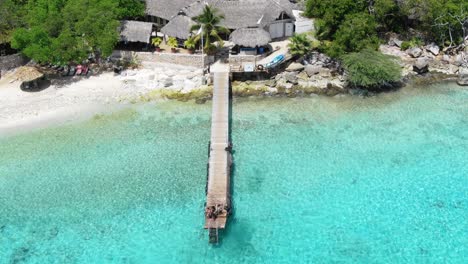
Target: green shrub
x=190, y=43
x=405, y=45
x=414, y=42
x=172, y=42
x=371, y=69
x=299, y=44
x=156, y=42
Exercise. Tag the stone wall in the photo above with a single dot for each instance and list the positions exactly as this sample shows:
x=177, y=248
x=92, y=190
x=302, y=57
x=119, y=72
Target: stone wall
x=239, y=59
x=12, y=61
x=194, y=60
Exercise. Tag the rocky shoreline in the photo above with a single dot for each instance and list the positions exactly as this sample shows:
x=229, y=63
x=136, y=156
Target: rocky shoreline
x=317, y=74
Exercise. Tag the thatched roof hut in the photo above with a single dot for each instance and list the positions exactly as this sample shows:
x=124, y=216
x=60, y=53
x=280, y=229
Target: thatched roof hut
x=166, y=8
x=178, y=27
x=243, y=13
x=237, y=13
x=135, y=31
x=28, y=74
x=250, y=37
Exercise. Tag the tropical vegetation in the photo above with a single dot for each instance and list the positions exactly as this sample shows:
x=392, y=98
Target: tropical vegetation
x=156, y=42
x=209, y=21
x=371, y=69
x=59, y=31
x=299, y=44
x=190, y=43
x=353, y=25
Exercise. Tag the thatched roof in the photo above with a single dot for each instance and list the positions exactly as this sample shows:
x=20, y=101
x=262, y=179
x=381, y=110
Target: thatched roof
x=244, y=13
x=250, y=37
x=27, y=73
x=178, y=27
x=135, y=31
x=237, y=13
x=166, y=8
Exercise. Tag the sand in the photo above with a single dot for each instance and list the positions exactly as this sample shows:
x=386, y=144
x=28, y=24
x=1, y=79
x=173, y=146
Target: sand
x=21, y=110
x=80, y=98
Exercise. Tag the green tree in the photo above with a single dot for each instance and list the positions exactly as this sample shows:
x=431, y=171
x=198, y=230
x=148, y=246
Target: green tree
x=445, y=20
x=59, y=31
x=357, y=32
x=209, y=21
x=389, y=15
x=34, y=43
x=299, y=44
x=11, y=13
x=371, y=69
x=331, y=13
x=130, y=9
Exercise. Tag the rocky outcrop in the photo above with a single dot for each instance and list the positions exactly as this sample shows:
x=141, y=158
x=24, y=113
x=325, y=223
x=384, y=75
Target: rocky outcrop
x=462, y=76
x=315, y=78
x=433, y=48
x=415, y=52
x=312, y=70
x=457, y=60
x=443, y=66
x=395, y=42
x=175, y=78
x=295, y=67
x=421, y=66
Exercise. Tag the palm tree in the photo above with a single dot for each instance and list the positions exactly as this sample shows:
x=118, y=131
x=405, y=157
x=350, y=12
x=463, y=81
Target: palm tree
x=299, y=45
x=209, y=20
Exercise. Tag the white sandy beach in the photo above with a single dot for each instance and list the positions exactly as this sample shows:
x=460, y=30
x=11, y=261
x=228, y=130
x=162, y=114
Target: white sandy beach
x=83, y=97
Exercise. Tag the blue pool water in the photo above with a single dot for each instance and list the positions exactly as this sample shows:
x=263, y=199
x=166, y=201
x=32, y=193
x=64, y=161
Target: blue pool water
x=316, y=180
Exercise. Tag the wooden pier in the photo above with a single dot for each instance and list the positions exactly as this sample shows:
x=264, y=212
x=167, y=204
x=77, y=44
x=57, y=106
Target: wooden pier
x=218, y=198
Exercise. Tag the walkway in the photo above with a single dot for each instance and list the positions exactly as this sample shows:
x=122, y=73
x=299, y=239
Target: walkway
x=220, y=159
x=283, y=50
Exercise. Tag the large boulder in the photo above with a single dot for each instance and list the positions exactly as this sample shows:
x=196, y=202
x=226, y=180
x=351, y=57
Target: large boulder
x=295, y=67
x=433, y=48
x=290, y=77
x=457, y=60
x=312, y=70
x=395, y=42
x=462, y=76
x=414, y=52
x=421, y=65
x=302, y=76
x=446, y=58
x=168, y=82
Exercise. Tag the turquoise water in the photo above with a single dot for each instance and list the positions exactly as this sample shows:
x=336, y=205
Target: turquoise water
x=316, y=180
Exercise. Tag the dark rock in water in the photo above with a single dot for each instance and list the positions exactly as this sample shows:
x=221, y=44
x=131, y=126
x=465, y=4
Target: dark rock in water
x=439, y=204
x=200, y=100
x=359, y=92
x=462, y=76
x=421, y=66
x=53, y=232
x=20, y=255
x=414, y=52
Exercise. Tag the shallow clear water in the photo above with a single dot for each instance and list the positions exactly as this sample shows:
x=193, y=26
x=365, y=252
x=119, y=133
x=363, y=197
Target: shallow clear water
x=316, y=180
